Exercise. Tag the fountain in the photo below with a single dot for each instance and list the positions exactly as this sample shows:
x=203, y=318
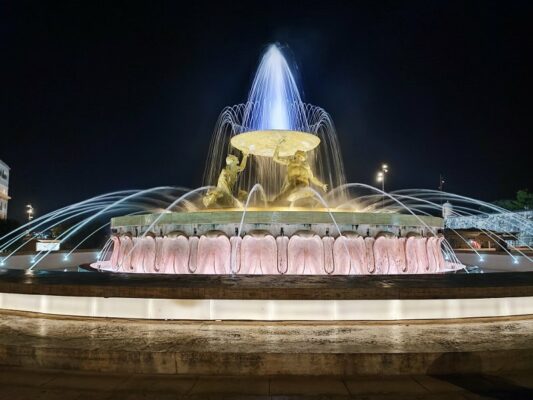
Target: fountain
x=275, y=201
x=267, y=207
x=275, y=233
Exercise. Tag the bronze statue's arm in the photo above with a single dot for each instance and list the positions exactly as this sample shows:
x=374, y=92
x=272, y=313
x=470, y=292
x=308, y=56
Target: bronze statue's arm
x=278, y=159
x=243, y=162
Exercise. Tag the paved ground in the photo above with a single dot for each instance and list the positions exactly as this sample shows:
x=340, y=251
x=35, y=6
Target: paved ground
x=266, y=348
x=21, y=384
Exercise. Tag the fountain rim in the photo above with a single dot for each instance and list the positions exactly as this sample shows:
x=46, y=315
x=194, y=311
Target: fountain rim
x=277, y=216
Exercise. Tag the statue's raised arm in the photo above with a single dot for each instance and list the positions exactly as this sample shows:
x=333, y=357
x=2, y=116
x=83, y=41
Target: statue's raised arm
x=242, y=166
x=277, y=158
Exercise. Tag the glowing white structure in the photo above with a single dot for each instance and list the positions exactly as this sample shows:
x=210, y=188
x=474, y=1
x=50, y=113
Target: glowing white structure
x=4, y=189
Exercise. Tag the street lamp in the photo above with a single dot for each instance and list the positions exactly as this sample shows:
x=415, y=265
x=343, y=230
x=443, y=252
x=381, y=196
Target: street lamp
x=29, y=211
x=441, y=186
x=441, y=182
x=381, y=178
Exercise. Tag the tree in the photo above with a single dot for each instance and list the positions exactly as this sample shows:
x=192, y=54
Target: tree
x=523, y=201
x=58, y=230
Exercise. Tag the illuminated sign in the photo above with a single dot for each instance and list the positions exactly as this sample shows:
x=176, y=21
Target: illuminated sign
x=47, y=245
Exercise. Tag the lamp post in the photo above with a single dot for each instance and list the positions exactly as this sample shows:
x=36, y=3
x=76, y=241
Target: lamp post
x=441, y=182
x=441, y=186
x=381, y=178
x=29, y=211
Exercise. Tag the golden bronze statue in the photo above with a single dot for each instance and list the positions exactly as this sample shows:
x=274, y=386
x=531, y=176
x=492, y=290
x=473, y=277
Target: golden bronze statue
x=222, y=194
x=299, y=177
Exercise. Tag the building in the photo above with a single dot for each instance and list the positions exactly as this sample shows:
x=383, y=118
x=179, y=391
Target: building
x=476, y=239
x=4, y=189
x=515, y=228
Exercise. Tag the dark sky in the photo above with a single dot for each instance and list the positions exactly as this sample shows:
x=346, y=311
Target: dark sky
x=100, y=96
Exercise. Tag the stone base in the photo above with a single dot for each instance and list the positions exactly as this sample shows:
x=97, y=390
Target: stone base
x=271, y=242
x=259, y=349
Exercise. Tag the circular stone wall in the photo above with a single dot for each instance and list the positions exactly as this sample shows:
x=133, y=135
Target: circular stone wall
x=278, y=222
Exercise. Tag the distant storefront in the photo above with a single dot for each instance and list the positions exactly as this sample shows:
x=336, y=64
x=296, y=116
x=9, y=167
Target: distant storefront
x=514, y=229
x=468, y=239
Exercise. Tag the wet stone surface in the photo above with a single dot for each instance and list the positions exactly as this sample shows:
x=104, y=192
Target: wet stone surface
x=283, y=287
x=271, y=348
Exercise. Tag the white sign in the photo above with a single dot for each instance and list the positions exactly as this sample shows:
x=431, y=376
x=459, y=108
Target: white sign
x=47, y=246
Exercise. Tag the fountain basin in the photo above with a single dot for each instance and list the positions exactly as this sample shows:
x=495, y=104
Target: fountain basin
x=271, y=242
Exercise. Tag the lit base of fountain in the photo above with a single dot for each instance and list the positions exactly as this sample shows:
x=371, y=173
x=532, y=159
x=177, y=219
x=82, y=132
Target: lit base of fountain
x=275, y=242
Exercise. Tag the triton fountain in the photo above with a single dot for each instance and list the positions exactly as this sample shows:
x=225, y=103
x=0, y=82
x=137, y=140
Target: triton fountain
x=275, y=233
x=275, y=201
x=267, y=209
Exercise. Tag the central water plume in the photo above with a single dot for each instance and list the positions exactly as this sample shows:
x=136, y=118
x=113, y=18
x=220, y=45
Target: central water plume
x=274, y=100
x=274, y=104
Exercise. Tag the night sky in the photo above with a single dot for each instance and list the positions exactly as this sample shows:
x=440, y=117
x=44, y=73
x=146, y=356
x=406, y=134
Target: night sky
x=99, y=97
